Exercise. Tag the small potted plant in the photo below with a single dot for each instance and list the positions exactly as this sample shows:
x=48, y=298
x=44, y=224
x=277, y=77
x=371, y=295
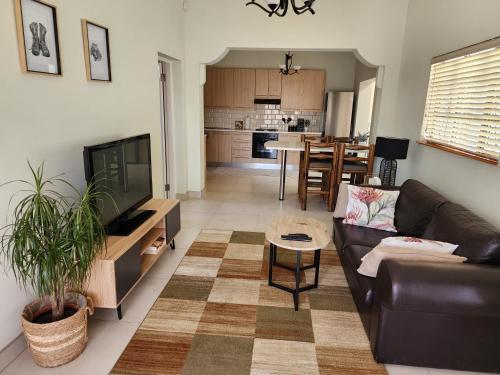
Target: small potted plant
x=51, y=244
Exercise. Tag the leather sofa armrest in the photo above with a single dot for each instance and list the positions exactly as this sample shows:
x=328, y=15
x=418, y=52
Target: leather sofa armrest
x=438, y=287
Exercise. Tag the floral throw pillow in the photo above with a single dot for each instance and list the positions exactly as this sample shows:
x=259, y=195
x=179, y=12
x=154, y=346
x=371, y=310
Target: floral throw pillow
x=373, y=208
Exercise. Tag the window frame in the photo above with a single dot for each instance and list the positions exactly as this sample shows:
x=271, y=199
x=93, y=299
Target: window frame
x=475, y=48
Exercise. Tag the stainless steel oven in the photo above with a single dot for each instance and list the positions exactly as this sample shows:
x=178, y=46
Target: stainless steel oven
x=258, y=149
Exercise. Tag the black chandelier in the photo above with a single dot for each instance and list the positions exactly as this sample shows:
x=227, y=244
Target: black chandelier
x=288, y=68
x=280, y=7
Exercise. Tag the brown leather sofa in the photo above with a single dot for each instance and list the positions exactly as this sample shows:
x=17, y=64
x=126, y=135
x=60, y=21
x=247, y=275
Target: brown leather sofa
x=429, y=314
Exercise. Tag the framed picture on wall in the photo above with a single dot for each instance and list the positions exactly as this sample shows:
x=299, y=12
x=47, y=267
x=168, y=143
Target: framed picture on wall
x=96, y=51
x=37, y=36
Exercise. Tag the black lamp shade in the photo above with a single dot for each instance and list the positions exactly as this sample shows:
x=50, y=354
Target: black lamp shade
x=392, y=148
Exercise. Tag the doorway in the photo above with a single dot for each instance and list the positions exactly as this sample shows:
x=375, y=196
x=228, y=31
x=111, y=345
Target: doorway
x=364, y=107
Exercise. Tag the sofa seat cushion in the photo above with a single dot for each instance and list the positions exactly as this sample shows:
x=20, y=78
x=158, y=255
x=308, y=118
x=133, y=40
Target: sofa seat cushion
x=477, y=239
x=361, y=286
x=415, y=208
x=346, y=235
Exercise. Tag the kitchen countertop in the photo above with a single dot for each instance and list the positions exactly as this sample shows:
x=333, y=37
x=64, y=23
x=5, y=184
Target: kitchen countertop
x=255, y=131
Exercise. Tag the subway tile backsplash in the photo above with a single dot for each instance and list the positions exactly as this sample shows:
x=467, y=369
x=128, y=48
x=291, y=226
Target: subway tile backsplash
x=263, y=116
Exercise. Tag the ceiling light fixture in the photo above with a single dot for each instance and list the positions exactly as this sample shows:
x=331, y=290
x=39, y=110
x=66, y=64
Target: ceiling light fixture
x=288, y=68
x=280, y=7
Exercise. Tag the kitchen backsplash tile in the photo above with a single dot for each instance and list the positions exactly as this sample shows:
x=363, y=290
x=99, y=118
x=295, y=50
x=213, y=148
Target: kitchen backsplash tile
x=263, y=116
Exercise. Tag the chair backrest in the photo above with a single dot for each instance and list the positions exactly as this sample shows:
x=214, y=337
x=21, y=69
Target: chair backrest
x=314, y=151
x=349, y=160
x=313, y=138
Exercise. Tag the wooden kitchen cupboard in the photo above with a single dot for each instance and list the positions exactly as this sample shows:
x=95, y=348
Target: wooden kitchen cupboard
x=244, y=88
x=219, y=87
x=304, y=90
x=219, y=147
x=267, y=84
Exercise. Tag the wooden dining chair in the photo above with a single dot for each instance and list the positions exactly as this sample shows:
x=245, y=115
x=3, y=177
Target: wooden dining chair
x=356, y=161
x=315, y=139
x=321, y=160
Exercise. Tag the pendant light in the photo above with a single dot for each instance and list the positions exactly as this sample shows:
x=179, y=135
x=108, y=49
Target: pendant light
x=288, y=68
x=280, y=7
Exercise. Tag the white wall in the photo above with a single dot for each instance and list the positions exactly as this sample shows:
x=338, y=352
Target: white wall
x=436, y=27
x=339, y=66
x=374, y=28
x=47, y=118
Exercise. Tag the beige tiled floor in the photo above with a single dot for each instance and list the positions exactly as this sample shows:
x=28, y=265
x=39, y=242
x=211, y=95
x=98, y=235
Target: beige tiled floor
x=233, y=201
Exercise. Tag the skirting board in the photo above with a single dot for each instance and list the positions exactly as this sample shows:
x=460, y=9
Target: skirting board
x=12, y=351
x=253, y=166
x=190, y=195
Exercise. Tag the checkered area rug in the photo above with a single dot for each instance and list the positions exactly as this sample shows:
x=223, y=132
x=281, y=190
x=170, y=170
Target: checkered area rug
x=217, y=315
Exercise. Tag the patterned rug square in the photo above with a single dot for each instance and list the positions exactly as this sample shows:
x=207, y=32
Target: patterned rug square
x=279, y=323
x=251, y=238
x=188, y=287
x=153, y=352
x=219, y=355
x=174, y=315
x=214, y=235
x=244, y=251
x=218, y=315
x=339, y=329
x=336, y=298
x=277, y=298
x=239, y=291
x=328, y=276
x=228, y=319
x=347, y=361
x=242, y=269
x=199, y=266
x=207, y=249
x=284, y=357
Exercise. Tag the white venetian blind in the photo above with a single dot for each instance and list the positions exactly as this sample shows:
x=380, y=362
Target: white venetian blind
x=463, y=100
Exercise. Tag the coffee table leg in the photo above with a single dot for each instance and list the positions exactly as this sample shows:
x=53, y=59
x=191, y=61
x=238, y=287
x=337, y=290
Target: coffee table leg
x=297, y=280
x=317, y=255
x=272, y=253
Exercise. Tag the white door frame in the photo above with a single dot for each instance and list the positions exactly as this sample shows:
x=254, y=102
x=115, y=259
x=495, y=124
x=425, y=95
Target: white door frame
x=167, y=126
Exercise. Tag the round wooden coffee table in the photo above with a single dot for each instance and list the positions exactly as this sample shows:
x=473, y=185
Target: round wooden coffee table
x=296, y=224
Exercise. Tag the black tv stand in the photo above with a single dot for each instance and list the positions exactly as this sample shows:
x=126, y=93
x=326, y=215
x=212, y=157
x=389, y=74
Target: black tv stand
x=126, y=225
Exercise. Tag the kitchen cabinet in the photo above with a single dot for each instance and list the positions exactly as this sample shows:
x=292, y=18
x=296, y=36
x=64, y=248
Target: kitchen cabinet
x=267, y=84
x=291, y=95
x=313, y=89
x=304, y=90
x=241, y=147
x=219, y=147
x=209, y=89
x=244, y=88
x=274, y=83
x=219, y=88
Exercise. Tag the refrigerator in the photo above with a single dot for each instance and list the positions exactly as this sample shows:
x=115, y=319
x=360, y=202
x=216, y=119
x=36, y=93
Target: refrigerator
x=337, y=119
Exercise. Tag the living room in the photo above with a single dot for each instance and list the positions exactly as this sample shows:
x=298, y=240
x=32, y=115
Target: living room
x=50, y=118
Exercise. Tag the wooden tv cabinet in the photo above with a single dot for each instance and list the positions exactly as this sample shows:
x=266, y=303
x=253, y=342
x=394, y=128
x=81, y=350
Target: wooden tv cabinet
x=123, y=263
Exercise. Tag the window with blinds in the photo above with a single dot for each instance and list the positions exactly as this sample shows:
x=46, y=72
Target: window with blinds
x=462, y=112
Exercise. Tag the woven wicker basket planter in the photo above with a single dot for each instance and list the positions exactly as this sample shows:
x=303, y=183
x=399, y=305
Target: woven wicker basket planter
x=54, y=344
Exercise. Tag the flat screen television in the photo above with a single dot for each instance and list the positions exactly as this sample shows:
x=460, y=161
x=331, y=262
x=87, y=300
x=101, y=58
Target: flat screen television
x=121, y=171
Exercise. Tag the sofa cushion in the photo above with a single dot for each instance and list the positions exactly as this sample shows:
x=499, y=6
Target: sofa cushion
x=361, y=286
x=415, y=208
x=478, y=240
x=346, y=234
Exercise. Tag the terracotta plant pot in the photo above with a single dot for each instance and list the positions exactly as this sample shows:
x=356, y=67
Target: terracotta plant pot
x=57, y=343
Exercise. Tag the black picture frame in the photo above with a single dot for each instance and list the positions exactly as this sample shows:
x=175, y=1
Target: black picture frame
x=96, y=51
x=38, y=37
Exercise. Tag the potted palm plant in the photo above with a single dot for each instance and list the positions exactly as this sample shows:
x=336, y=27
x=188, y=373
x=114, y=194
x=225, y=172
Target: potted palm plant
x=51, y=244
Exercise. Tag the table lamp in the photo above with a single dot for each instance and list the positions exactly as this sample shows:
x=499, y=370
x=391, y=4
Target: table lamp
x=390, y=150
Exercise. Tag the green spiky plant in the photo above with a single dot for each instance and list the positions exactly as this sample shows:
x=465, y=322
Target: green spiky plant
x=53, y=239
